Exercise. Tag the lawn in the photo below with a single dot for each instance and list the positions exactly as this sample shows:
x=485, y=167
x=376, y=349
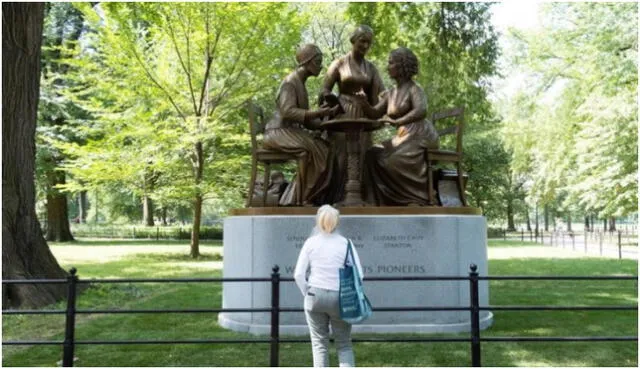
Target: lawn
x=208, y=295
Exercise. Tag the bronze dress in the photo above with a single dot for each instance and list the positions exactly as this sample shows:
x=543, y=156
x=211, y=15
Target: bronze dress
x=351, y=77
x=396, y=171
x=285, y=132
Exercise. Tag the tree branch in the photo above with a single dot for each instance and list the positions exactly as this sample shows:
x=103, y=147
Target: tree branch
x=153, y=80
x=172, y=35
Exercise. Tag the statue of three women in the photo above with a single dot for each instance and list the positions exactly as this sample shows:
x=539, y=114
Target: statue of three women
x=395, y=171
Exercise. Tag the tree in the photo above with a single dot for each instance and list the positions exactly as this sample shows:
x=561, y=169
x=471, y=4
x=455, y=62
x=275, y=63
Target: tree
x=62, y=29
x=25, y=253
x=580, y=136
x=194, y=65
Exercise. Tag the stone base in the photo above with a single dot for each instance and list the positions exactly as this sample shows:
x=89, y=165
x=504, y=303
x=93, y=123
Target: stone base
x=388, y=245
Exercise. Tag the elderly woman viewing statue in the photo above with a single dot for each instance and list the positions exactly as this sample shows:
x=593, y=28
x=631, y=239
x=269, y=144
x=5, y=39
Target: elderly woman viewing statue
x=353, y=74
x=286, y=131
x=396, y=171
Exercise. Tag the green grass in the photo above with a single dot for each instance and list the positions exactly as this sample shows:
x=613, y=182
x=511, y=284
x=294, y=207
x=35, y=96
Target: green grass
x=208, y=295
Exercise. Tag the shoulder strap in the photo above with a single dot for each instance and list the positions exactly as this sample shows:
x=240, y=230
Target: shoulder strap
x=346, y=257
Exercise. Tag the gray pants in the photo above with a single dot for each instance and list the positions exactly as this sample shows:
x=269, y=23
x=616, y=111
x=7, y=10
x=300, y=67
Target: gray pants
x=321, y=307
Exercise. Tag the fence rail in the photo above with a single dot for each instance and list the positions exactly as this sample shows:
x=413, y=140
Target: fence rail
x=619, y=244
x=475, y=339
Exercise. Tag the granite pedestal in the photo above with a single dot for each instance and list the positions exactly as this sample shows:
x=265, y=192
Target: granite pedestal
x=389, y=245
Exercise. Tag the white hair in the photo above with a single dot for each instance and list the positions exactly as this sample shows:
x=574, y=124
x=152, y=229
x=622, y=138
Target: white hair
x=327, y=218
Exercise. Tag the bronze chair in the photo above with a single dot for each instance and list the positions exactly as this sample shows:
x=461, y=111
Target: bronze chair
x=267, y=157
x=434, y=156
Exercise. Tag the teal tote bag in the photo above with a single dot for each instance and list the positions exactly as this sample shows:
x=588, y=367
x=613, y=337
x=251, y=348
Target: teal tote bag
x=354, y=305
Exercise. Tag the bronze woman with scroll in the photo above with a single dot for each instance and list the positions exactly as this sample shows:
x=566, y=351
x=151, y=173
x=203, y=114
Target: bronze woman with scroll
x=396, y=171
x=353, y=74
x=286, y=131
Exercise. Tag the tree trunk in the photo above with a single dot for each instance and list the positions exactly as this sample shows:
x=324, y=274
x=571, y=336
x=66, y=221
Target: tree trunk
x=604, y=224
x=164, y=215
x=612, y=224
x=569, y=222
x=195, y=230
x=586, y=223
x=537, y=222
x=82, y=207
x=546, y=218
x=147, y=211
x=25, y=253
x=95, y=219
x=526, y=214
x=57, y=209
x=511, y=225
x=198, y=167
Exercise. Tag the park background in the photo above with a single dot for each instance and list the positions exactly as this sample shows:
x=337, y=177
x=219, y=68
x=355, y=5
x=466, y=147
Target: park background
x=142, y=128
x=124, y=138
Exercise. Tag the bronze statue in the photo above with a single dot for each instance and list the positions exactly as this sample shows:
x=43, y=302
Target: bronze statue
x=396, y=171
x=277, y=186
x=353, y=74
x=286, y=131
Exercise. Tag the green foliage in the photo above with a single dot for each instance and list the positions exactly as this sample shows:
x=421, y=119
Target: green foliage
x=162, y=80
x=151, y=233
x=573, y=127
x=58, y=115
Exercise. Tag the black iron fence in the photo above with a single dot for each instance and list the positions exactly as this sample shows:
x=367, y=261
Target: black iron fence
x=474, y=339
x=620, y=243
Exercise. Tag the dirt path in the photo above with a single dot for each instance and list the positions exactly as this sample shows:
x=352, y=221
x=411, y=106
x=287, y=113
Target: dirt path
x=105, y=254
x=500, y=253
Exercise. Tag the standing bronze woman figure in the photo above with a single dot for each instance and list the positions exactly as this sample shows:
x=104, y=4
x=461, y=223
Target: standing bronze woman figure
x=396, y=171
x=286, y=131
x=353, y=74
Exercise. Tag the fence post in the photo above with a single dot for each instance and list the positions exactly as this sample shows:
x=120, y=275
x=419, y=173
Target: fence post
x=70, y=321
x=475, y=315
x=619, y=244
x=275, y=315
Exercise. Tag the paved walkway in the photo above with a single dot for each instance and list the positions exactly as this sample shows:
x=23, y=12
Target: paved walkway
x=105, y=254
x=500, y=253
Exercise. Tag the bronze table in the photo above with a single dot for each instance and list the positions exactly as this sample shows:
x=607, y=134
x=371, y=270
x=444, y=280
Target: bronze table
x=352, y=129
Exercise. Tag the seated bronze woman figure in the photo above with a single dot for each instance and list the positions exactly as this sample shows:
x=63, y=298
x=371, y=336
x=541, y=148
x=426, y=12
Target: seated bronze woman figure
x=287, y=131
x=395, y=171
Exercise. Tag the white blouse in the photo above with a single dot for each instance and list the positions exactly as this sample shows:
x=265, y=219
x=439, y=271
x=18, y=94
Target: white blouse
x=323, y=255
